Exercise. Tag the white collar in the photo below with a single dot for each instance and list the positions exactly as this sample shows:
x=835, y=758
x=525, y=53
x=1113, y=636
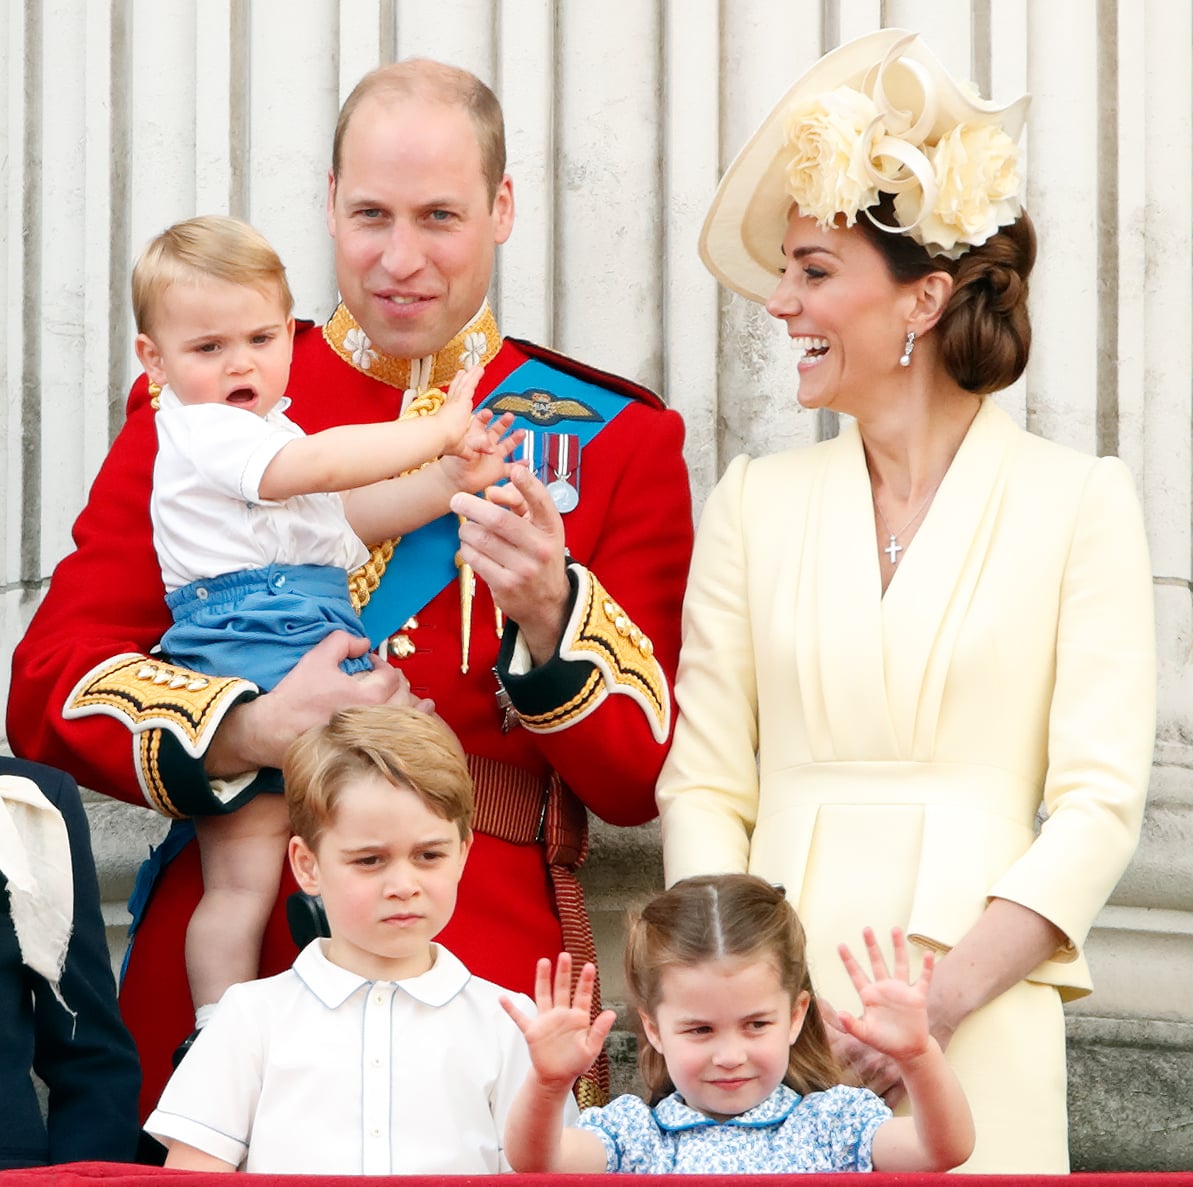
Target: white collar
x=333, y=984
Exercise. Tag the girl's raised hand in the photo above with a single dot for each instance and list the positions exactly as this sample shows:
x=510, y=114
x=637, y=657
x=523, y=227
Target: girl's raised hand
x=894, y=1018
x=562, y=1038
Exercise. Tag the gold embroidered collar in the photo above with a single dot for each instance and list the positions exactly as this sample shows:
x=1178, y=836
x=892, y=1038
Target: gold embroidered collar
x=478, y=342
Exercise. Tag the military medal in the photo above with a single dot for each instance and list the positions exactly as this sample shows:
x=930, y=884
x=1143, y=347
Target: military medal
x=554, y=459
x=562, y=470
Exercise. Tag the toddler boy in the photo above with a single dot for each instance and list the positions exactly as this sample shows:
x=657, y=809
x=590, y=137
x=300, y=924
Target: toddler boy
x=377, y=1052
x=257, y=524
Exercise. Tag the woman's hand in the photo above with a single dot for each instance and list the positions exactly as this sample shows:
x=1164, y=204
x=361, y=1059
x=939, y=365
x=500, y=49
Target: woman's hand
x=562, y=1037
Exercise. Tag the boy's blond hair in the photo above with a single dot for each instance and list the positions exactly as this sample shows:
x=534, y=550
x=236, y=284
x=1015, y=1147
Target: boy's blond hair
x=406, y=748
x=212, y=246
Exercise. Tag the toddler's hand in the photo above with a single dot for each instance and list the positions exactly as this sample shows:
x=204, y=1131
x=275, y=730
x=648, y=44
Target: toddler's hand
x=894, y=1016
x=455, y=417
x=562, y=1038
x=481, y=458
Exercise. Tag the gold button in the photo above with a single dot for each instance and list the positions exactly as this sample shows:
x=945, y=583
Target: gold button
x=402, y=646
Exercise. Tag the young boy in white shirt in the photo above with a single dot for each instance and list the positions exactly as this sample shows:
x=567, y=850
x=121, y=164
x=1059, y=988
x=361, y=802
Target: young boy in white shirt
x=377, y=1052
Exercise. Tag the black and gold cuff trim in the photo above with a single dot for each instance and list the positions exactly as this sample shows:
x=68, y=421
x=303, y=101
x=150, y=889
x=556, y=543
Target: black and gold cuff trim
x=602, y=651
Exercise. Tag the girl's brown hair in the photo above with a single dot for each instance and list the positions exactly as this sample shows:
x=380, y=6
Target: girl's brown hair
x=984, y=332
x=718, y=917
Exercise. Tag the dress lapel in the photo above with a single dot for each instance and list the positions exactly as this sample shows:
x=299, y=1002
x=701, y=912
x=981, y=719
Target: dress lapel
x=839, y=619
x=925, y=605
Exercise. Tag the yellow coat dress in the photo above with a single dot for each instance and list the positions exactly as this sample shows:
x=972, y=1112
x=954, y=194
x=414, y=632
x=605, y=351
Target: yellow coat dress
x=888, y=758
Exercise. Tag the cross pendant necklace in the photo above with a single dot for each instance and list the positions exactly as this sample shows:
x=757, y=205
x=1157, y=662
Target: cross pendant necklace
x=893, y=547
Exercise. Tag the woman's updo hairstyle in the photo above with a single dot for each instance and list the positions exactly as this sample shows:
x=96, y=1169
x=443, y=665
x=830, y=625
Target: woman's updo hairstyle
x=984, y=334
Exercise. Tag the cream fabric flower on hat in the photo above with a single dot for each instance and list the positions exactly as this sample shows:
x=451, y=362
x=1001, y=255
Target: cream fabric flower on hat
x=878, y=115
x=829, y=171
x=954, y=184
x=977, y=177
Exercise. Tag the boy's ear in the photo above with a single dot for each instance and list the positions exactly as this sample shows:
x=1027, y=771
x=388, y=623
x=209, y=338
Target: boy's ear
x=465, y=850
x=651, y=1030
x=305, y=865
x=151, y=359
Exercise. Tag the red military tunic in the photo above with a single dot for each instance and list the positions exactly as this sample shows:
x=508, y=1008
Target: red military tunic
x=122, y=732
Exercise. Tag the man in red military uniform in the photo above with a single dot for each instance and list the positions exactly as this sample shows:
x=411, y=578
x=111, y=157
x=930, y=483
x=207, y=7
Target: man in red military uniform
x=582, y=603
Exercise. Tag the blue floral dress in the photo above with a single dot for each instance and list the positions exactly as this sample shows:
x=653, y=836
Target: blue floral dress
x=786, y=1133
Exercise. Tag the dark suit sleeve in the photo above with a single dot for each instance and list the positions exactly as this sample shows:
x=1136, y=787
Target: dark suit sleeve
x=88, y=1063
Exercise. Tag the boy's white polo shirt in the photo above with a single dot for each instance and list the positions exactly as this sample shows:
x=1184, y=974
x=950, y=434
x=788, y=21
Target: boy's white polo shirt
x=319, y=1071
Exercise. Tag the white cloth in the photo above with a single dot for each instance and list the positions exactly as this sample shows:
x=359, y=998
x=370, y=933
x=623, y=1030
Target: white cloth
x=35, y=861
x=319, y=1071
x=208, y=516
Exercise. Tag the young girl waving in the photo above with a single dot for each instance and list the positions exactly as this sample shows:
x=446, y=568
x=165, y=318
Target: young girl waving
x=734, y=1052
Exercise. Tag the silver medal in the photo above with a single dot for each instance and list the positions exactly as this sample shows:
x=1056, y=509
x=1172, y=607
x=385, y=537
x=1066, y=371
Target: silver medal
x=565, y=496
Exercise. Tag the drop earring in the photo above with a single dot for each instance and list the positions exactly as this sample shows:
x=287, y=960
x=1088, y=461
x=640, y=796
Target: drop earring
x=908, y=347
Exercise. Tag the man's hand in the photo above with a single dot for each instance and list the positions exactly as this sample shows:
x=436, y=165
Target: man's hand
x=257, y=734
x=513, y=539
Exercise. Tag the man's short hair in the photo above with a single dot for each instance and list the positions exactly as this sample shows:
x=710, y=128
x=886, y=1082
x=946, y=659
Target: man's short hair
x=404, y=747
x=210, y=247
x=422, y=78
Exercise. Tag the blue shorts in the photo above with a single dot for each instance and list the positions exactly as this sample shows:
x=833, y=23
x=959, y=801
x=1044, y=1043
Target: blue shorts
x=260, y=622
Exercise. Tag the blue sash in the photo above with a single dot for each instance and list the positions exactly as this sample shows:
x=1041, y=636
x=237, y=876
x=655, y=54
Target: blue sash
x=424, y=563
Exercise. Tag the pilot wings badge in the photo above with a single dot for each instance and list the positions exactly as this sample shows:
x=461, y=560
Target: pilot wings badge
x=543, y=409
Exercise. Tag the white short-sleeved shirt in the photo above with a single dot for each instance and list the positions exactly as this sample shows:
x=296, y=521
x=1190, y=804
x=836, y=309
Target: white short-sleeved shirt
x=208, y=516
x=319, y=1071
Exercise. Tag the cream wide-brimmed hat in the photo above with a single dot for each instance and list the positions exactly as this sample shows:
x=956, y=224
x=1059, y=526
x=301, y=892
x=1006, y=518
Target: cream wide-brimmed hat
x=878, y=115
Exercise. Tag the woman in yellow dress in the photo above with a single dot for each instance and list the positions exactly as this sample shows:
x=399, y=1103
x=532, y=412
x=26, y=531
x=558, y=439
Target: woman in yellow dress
x=905, y=646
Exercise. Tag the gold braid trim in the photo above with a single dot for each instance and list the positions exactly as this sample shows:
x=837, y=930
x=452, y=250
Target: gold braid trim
x=362, y=581
x=601, y=632
x=151, y=697
x=580, y=705
x=478, y=342
x=147, y=749
x=149, y=694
